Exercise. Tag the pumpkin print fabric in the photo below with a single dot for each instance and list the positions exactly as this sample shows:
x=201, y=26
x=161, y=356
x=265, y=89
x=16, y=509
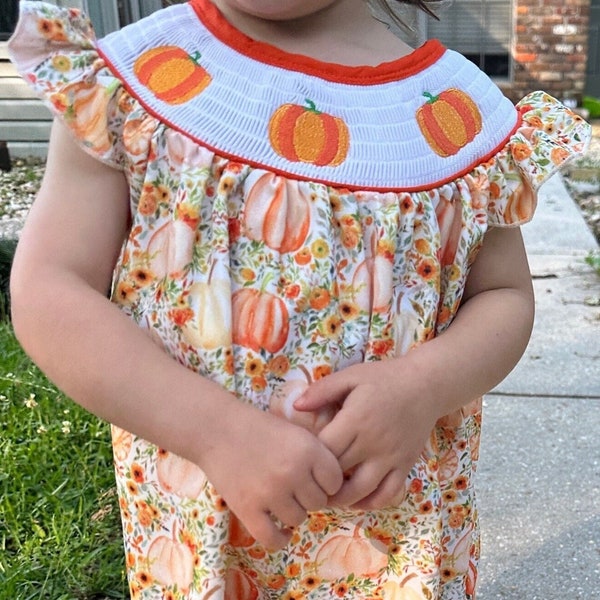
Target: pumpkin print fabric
x=264, y=281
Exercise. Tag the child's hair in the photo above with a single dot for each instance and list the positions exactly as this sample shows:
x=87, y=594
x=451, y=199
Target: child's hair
x=423, y=5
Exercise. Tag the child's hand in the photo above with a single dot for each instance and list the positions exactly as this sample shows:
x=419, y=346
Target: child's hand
x=378, y=433
x=268, y=469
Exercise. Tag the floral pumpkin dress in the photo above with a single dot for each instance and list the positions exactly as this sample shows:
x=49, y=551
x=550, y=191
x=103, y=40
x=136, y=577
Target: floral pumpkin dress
x=290, y=218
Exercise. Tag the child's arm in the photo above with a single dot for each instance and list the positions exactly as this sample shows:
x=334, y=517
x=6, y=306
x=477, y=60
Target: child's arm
x=259, y=463
x=390, y=407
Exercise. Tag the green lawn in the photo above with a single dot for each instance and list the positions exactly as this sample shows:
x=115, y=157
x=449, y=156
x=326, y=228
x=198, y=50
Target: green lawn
x=60, y=534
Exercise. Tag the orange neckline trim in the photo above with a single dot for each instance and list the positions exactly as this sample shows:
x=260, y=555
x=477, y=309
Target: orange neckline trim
x=406, y=66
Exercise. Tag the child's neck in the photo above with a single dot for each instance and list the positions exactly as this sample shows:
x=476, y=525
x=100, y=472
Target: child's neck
x=344, y=33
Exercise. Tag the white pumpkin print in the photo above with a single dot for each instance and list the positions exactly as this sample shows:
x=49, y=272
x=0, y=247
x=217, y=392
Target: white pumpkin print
x=210, y=327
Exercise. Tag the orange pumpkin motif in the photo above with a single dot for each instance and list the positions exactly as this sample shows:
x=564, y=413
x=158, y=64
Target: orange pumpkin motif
x=372, y=282
x=520, y=204
x=260, y=320
x=277, y=211
x=409, y=588
x=304, y=134
x=121, y=442
x=85, y=108
x=238, y=586
x=450, y=219
x=345, y=554
x=239, y=537
x=171, y=74
x=171, y=563
x=171, y=248
x=179, y=476
x=449, y=121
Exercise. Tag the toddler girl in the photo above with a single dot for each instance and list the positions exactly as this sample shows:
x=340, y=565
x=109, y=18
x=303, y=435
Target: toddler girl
x=309, y=235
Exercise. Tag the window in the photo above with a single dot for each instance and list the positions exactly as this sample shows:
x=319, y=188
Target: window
x=9, y=10
x=480, y=30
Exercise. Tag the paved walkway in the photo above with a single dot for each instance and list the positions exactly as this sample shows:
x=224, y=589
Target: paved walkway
x=539, y=477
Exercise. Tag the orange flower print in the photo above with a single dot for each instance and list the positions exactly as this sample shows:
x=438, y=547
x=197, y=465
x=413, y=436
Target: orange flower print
x=332, y=327
x=521, y=151
x=317, y=522
x=426, y=507
x=137, y=473
x=247, y=274
x=292, y=570
x=382, y=347
x=494, y=190
x=350, y=238
x=416, y=486
x=303, y=256
x=52, y=29
x=60, y=102
x=461, y=482
x=254, y=367
x=310, y=582
x=422, y=246
x=319, y=298
x=276, y=582
x=349, y=310
x=279, y=365
x=321, y=371
x=559, y=155
x=427, y=269
x=341, y=589
x=257, y=552
x=180, y=316
x=126, y=293
x=294, y=595
x=142, y=277
x=148, y=204
x=292, y=291
x=258, y=383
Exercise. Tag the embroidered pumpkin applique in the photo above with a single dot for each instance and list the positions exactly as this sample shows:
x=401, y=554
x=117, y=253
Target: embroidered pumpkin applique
x=171, y=74
x=304, y=134
x=449, y=121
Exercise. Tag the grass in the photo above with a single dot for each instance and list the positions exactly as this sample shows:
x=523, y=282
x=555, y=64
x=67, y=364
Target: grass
x=60, y=535
x=593, y=260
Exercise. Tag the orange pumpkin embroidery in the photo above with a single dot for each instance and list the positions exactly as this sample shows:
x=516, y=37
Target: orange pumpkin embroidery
x=304, y=134
x=260, y=320
x=171, y=74
x=449, y=121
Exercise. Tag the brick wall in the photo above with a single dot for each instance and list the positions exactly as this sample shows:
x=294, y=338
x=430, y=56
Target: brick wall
x=550, y=48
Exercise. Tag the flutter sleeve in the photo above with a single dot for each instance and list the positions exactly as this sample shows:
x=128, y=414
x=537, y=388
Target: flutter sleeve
x=54, y=50
x=549, y=136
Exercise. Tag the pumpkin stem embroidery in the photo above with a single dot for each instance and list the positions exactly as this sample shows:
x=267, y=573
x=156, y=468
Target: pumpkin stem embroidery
x=312, y=107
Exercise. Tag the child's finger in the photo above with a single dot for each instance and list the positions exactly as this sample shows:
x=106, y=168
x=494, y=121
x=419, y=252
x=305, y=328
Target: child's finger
x=327, y=474
x=364, y=481
x=390, y=492
x=332, y=389
x=264, y=529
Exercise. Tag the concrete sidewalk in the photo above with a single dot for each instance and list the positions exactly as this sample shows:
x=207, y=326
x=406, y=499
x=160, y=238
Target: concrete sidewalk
x=539, y=477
